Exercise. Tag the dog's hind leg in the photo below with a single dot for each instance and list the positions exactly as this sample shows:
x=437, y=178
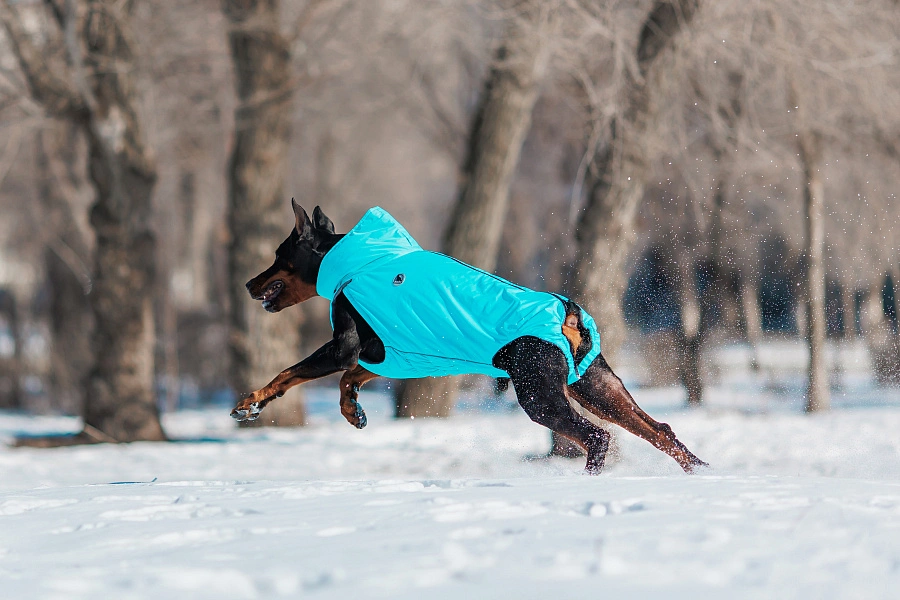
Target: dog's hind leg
x=603, y=393
x=351, y=381
x=538, y=371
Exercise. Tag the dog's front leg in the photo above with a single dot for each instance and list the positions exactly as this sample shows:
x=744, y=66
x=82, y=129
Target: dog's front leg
x=351, y=381
x=340, y=354
x=322, y=362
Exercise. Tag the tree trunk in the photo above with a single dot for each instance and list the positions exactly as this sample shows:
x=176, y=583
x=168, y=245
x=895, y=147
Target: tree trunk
x=97, y=94
x=848, y=302
x=895, y=282
x=723, y=291
x=603, y=232
x=690, y=333
x=431, y=397
x=261, y=344
x=66, y=260
x=893, y=355
x=604, y=236
x=737, y=290
x=11, y=369
x=813, y=200
x=495, y=144
x=752, y=316
x=604, y=228
x=121, y=399
x=874, y=322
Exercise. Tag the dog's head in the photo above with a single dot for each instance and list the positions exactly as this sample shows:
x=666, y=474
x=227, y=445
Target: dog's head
x=292, y=277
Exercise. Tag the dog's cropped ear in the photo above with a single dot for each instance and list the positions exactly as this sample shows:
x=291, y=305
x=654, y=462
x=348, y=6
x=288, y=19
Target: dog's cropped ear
x=301, y=221
x=321, y=221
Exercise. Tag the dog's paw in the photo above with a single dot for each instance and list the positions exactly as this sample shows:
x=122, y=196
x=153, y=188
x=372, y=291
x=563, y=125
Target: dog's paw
x=696, y=466
x=351, y=409
x=361, y=420
x=594, y=465
x=354, y=413
x=246, y=414
x=247, y=409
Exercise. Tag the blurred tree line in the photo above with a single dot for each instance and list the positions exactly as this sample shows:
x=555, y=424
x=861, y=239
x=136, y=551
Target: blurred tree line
x=694, y=171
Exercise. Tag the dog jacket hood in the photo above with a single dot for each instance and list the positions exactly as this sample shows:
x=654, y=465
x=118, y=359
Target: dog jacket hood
x=437, y=315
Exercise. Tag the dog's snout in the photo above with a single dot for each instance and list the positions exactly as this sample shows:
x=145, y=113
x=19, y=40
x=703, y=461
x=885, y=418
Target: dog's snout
x=255, y=287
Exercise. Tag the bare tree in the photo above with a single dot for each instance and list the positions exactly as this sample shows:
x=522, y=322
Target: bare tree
x=67, y=263
x=816, y=125
x=812, y=105
x=495, y=143
x=11, y=368
x=619, y=174
x=711, y=256
x=95, y=91
x=809, y=145
x=257, y=204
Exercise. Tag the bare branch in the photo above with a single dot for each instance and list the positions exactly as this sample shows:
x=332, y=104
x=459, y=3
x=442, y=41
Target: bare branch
x=665, y=20
x=307, y=15
x=58, y=12
x=49, y=88
x=10, y=151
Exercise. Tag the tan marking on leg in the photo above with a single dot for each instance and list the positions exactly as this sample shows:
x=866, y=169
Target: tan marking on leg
x=253, y=403
x=351, y=381
x=619, y=408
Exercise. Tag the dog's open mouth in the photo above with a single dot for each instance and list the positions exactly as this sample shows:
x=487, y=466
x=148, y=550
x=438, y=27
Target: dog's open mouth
x=270, y=294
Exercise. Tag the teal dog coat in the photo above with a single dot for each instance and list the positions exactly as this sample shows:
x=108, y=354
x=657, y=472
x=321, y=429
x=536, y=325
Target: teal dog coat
x=434, y=314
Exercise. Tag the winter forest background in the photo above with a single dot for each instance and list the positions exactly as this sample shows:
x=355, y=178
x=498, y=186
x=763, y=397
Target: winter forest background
x=697, y=175
x=715, y=182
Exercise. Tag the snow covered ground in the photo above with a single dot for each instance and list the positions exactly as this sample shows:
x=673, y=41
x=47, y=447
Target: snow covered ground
x=794, y=506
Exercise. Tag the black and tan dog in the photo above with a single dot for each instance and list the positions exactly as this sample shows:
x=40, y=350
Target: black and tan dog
x=538, y=369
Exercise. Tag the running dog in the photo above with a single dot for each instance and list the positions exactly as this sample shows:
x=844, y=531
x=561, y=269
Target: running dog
x=402, y=312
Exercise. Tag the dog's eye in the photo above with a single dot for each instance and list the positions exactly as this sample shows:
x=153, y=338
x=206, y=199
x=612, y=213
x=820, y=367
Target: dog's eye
x=400, y=278
x=285, y=263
